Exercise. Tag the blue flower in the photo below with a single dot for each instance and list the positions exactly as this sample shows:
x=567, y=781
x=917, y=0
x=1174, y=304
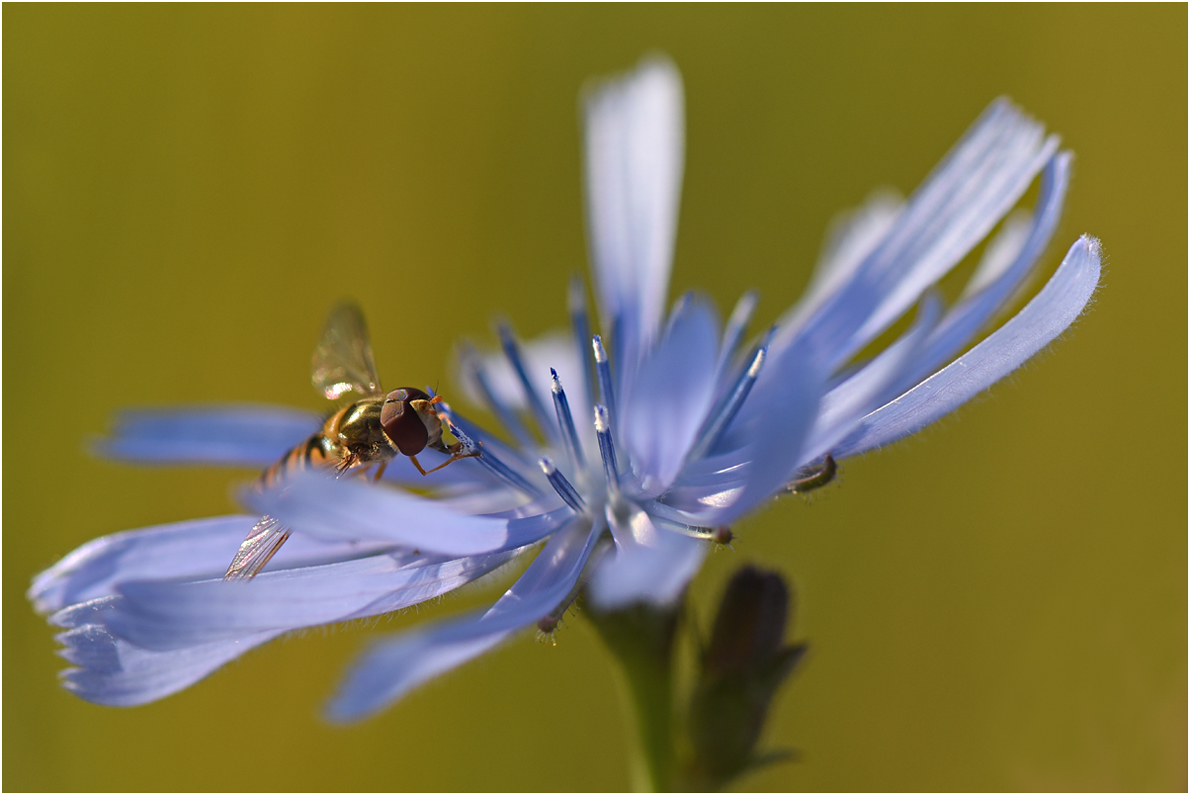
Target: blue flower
x=629, y=458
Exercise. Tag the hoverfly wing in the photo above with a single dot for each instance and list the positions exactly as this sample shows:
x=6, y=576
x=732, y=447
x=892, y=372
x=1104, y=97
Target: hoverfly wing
x=263, y=541
x=343, y=359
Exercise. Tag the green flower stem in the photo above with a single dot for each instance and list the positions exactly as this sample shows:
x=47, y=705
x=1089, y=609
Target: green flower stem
x=641, y=639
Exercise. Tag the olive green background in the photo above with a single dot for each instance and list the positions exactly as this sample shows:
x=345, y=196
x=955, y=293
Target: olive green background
x=999, y=603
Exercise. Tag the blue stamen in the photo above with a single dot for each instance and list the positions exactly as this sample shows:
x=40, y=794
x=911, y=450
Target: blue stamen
x=507, y=474
x=580, y=325
x=502, y=410
x=606, y=396
x=566, y=423
x=512, y=349
x=607, y=448
x=561, y=485
x=719, y=420
x=464, y=430
x=732, y=373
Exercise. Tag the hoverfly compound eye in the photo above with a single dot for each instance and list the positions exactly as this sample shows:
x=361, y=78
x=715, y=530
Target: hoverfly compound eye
x=400, y=421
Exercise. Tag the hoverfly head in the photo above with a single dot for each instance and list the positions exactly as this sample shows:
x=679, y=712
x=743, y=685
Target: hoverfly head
x=404, y=423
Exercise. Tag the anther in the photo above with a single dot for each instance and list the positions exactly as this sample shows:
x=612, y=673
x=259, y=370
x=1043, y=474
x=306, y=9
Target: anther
x=566, y=423
x=561, y=485
x=607, y=448
x=604, y=371
x=714, y=429
x=512, y=349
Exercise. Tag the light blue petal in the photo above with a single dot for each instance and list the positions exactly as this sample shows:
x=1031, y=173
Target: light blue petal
x=934, y=238
x=234, y=435
x=649, y=565
x=672, y=393
x=869, y=387
x=1005, y=247
x=392, y=668
x=115, y=673
x=634, y=151
x=388, y=671
x=92, y=611
x=1000, y=275
x=1045, y=317
x=851, y=237
x=349, y=510
x=526, y=530
x=999, y=284
x=974, y=186
x=196, y=549
x=174, y=615
x=90, y=646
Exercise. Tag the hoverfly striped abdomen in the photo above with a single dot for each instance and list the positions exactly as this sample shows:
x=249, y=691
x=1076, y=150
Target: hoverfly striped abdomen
x=310, y=453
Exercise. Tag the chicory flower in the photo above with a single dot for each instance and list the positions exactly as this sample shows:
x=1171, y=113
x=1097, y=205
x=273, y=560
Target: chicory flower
x=630, y=456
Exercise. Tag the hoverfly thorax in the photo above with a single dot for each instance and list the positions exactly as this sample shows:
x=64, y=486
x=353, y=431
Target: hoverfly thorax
x=409, y=420
x=360, y=431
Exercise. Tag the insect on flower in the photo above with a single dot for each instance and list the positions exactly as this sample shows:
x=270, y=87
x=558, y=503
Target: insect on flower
x=672, y=427
x=372, y=430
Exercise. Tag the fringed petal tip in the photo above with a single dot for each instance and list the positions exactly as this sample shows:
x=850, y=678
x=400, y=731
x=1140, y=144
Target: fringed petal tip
x=192, y=549
x=115, y=673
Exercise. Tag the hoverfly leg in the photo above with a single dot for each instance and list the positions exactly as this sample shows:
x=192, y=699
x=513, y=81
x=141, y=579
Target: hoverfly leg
x=417, y=464
x=380, y=471
x=456, y=454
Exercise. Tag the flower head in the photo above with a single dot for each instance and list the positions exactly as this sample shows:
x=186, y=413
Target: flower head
x=630, y=451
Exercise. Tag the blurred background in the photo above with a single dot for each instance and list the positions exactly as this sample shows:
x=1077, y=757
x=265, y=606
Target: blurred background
x=999, y=603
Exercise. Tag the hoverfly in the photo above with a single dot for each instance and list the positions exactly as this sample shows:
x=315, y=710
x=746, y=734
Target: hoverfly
x=370, y=431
